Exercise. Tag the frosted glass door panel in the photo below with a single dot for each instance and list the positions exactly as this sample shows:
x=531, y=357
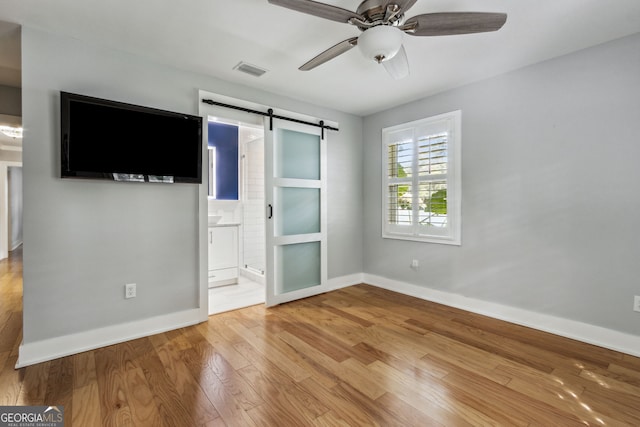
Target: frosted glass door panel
x=300, y=211
x=299, y=266
x=298, y=155
x=295, y=173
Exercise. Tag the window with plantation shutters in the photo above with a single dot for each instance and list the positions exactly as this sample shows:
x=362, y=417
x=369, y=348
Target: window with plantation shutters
x=421, y=170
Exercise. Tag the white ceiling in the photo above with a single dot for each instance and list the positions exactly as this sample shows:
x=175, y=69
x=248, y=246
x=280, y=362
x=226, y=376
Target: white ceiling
x=212, y=36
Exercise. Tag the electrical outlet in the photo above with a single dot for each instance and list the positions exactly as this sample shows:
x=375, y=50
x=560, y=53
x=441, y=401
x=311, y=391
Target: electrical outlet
x=415, y=263
x=130, y=290
x=636, y=303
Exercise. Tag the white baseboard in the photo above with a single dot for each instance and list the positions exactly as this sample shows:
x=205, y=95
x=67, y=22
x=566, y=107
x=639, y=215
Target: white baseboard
x=596, y=335
x=253, y=276
x=53, y=348
x=15, y=245
x=49, y=349
x=344, y=281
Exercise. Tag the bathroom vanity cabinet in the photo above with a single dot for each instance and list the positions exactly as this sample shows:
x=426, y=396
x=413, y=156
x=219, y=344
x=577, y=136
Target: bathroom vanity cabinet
x=223, y=254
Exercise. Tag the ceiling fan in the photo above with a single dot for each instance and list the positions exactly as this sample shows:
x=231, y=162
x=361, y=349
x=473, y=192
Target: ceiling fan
x=383, y=23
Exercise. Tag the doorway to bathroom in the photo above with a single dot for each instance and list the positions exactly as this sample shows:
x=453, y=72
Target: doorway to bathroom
x=290, y=207
x=238, y=236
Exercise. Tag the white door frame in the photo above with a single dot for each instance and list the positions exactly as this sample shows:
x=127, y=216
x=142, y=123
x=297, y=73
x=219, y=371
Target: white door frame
x=4, y=207
x=206, y=110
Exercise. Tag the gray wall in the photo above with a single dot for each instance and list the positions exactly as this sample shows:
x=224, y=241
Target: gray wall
x=551, y=190
x=10, y=101
x=10, y=156
x=84, y=240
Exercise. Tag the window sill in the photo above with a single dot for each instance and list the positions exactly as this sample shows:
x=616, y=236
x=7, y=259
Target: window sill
x=424, y=239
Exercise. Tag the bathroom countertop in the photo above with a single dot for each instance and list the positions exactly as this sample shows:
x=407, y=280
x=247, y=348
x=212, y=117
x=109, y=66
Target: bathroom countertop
x=225, y=224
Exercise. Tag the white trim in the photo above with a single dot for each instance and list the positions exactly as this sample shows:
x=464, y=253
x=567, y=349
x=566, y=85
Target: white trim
x=4, y=207
x=53, y=348
x=15, y=246
x=203, y=221
x=10, y=147
x=591, y=334
x=345, y=281
x=451, y=123
x=49, y=349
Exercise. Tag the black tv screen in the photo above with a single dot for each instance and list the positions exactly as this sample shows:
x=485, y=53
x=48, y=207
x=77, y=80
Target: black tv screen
x=103, y=139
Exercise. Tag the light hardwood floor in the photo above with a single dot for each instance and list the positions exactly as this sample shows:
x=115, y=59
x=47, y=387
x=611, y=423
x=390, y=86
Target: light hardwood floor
x=360, y=356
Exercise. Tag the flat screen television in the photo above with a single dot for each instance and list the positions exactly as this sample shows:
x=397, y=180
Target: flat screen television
x=103, y=139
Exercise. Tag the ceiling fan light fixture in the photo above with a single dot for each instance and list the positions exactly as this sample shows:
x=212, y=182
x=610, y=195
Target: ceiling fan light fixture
x=380, y=43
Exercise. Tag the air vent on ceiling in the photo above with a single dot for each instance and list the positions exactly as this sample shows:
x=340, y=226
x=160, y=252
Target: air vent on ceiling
x=250, y=69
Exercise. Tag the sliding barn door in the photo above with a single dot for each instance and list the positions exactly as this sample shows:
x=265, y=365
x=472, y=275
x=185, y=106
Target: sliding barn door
x=295, y=168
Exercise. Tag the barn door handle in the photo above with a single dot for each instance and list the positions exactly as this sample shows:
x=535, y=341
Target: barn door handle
x=270, y=212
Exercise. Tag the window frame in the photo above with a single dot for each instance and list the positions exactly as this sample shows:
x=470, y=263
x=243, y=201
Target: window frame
x=451, y=122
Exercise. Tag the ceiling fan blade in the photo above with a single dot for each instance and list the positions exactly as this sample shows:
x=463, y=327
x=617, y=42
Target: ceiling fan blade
x=450, y=23
x=398, y=66
x=321, y=10
x=330, y=53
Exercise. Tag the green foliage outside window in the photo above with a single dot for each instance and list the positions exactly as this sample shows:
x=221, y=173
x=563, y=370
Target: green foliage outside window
x=403, y=189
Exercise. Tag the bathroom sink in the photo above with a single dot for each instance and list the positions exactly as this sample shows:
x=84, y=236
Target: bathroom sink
x=214, y=219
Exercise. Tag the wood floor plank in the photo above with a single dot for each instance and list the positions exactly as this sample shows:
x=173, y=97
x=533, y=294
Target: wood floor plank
x=358, y=356
x=190, y=391
x=351, y=374
x=244, y=394
x=563, y=398
x=377, y=412
x=10, y=331
x=431, y=399
x=403, y=414
x=141, y=401
x=173, y=410
x=296, y=406
x=513, y=350
x=226, y=405
x=314, y=336
x=273, y=349
x=610, y=383
x=34, y=385
x=84, y=369
x=610, y=405
x=453, y=355
x=344, y=409
x=330, y=419
x=114, y=404
x=222, y=346
x=86, y=409
x=564, y=347
x=60, y=386
x=520, y=406
x=10, y=382
x=628, y=375
x=178, y=339
x=4, y=357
